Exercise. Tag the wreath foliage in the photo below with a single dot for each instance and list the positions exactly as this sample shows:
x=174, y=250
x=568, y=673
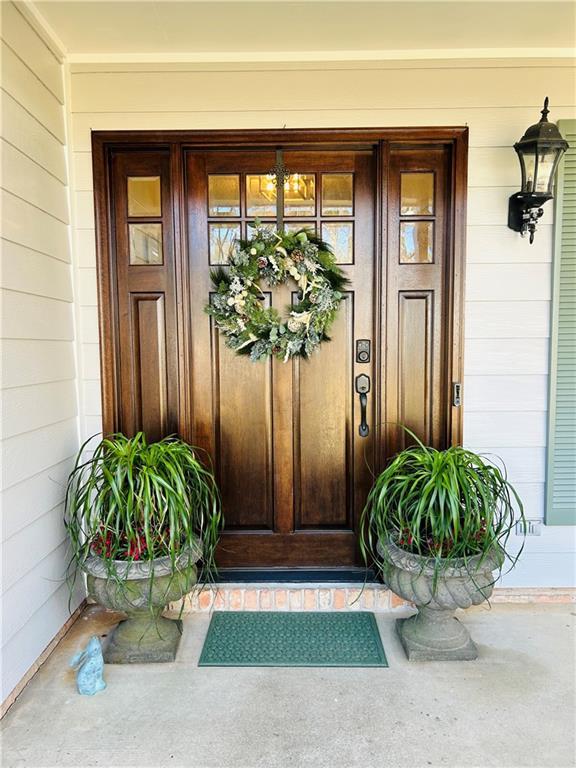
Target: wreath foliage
x=237, y=305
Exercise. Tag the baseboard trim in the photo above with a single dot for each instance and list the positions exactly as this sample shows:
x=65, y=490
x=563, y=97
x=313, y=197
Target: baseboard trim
x=17, y=690
x=534, y=595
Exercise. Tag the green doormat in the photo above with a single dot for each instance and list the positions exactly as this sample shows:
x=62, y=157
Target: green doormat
x=256, y=639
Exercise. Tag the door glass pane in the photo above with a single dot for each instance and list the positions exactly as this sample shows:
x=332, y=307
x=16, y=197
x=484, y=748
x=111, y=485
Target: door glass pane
x=416, y=194
x=337, y=194
x=260, y=195
x=144, y=196
x=416, y=242
x=251, y=229
x=296, y=226
x=223, y=195
x=145, y=243
x=300, y=195
x=222, y=241
x=340, y=235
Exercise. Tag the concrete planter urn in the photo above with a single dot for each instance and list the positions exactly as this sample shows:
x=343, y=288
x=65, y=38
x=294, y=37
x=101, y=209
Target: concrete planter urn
x=434, y=633
x=142, y=589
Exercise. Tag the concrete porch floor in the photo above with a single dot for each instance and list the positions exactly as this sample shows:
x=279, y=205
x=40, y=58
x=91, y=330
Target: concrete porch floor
x=514, y=706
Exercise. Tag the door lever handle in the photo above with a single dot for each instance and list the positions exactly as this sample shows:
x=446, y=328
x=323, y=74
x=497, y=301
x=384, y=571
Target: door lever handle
x=363, y=387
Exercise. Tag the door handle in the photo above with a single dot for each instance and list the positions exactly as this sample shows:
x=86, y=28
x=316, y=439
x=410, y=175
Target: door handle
x=363, y=387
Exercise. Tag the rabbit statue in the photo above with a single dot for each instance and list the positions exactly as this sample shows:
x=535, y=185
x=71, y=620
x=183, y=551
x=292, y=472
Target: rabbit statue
x=89, y=664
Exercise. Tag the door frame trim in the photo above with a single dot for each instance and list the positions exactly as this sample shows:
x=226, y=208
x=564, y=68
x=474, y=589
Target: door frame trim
x=381, y=139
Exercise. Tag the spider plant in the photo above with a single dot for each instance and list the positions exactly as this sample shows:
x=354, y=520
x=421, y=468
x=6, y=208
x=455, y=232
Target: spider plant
x=139, y=501
x=445, y=505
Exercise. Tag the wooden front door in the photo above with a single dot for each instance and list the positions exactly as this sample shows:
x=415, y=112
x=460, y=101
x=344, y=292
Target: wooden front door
x=284, y=439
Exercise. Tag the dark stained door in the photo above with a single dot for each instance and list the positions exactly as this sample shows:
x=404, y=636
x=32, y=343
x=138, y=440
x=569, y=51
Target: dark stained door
x=284, y=437
x=284, y=440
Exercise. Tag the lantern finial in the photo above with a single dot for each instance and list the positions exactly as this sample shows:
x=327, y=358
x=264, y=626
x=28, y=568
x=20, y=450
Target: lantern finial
x=544, y=112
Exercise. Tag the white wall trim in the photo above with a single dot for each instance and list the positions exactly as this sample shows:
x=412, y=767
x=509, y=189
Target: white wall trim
x=39, y=24
x=425, y=54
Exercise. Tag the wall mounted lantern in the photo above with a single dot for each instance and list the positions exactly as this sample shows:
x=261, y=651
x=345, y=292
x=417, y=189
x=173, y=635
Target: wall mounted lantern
x=539, y=152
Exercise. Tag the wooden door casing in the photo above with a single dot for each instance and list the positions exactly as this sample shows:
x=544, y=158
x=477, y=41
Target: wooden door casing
x=429, y=299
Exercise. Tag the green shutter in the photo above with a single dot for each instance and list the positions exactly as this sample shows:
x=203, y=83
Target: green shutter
x=561, y=464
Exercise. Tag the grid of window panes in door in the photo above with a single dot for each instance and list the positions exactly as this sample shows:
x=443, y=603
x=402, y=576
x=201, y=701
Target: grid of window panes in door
x=417, y=209
x=144, y=220
x=323, y=203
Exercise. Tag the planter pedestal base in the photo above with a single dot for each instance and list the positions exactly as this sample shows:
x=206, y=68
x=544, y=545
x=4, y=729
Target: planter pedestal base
x=435, y=635
x=143, y=639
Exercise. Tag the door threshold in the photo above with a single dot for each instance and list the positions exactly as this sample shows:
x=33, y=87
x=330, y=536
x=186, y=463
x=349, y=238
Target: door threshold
x=296, y=575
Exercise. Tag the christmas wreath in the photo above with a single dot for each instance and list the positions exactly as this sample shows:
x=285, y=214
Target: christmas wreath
x=237, y=305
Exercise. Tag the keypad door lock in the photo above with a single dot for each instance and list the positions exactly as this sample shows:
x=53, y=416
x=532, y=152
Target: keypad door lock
x=363, y=351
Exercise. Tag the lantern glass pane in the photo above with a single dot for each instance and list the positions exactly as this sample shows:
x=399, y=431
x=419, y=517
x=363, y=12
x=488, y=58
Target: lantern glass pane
x=546, y=163
x=529, y=165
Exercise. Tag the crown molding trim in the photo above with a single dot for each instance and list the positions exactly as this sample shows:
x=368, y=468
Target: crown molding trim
x=30, y=12
x=241, y=57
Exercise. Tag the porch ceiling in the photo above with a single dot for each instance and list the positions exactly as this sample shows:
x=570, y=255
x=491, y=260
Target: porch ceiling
x=229, y=29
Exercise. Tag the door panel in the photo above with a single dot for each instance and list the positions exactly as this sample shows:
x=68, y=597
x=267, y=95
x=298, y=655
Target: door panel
x=147, y=352
x=417, y=298
x=323, y=439
x=284, y=436
x=243, y=437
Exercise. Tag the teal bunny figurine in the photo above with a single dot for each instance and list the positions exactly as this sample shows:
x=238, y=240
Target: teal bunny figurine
x=89, y=664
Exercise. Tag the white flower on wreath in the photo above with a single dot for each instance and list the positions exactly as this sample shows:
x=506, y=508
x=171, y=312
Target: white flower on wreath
x=236, y=285
x=299, y=319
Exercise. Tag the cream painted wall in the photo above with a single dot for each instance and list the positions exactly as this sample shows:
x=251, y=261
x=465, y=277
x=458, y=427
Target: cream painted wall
x=39, y=403
x=508, y=281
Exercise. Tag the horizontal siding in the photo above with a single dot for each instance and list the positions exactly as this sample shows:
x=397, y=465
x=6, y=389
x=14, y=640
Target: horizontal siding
x=48, y=235
x=31, y=49
x=548, y=569
x=513, y=428
x=31, y=361
x=18, y=607
x=506, y=393
x=491, y=319
x=35, y=273
x=30, y=640
x=496, y=244
x=31, y=93
x=25, y=316
x=28, y=180
x=19, y=558
x=39, y=402
x=33, y=497
x=497, y=357
x=27, y=408
x=508, y=282
x=24, y=132
x=423, y=88
x=526, y=464
x=30, y=452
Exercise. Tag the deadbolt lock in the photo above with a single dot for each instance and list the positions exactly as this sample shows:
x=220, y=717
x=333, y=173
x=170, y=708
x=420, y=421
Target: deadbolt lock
x=363, y=351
